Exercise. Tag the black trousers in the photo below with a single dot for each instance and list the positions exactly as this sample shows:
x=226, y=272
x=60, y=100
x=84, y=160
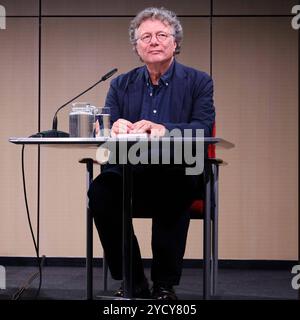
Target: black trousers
x=162, y=192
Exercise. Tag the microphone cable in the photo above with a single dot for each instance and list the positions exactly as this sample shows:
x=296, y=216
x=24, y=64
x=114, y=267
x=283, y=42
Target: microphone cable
x=40, y=262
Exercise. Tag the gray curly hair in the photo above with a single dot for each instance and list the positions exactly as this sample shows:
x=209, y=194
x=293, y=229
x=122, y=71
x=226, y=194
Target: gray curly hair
x=161, y=14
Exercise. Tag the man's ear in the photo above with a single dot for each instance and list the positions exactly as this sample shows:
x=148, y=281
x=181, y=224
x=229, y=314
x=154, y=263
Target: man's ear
x=176, y=46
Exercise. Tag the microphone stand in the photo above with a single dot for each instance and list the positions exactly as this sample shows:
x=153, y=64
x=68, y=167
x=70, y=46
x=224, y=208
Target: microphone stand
x=54, y=133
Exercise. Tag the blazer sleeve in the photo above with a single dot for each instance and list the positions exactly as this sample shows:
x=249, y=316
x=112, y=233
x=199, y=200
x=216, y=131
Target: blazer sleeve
x=112, y=101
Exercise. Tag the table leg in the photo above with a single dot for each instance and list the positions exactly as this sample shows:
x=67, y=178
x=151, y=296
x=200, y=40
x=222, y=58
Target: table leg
x=127, y=230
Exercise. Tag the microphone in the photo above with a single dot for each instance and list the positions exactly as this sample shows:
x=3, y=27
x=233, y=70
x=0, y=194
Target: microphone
x=54, y=133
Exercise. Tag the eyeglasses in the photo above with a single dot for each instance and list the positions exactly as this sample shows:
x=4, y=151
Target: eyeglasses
x=160, y=37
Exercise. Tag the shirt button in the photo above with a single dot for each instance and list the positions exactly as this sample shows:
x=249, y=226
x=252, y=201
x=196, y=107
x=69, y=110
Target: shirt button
x=150, y=94
x=167, y=83
x=154, y=111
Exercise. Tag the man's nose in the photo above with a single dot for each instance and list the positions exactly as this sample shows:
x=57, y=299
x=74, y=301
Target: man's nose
x=154, y=40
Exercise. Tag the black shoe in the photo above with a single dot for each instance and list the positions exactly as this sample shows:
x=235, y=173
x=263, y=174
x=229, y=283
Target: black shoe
x=140, y=290
x=163, y=292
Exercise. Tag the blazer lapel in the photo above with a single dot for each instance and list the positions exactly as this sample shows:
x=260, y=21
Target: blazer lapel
x=134, y=97
x=180, y=93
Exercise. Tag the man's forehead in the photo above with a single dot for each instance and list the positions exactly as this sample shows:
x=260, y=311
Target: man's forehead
x=149, y=23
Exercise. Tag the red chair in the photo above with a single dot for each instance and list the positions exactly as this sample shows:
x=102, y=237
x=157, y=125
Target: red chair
x=205, y=209
x=210, y=228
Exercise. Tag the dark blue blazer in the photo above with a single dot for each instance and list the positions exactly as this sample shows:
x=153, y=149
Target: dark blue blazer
x=192, y=98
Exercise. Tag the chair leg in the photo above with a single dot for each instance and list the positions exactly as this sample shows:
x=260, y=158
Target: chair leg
x=207, y=238
x=214, y=257
x=215, y=230
x=212, y=261
x=104, y=269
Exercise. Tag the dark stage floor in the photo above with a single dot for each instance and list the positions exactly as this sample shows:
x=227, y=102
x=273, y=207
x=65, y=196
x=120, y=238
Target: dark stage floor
x=68, y=283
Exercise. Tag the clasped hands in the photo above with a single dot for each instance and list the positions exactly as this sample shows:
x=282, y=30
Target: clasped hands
x=143, y=126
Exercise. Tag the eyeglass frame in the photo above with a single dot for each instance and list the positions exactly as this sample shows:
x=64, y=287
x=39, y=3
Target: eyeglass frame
x=156, y=34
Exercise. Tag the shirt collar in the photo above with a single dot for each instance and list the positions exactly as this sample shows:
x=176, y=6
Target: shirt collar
x=165, y=78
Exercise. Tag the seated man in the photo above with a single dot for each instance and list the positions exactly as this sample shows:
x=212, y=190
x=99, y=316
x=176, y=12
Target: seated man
x=155, y=98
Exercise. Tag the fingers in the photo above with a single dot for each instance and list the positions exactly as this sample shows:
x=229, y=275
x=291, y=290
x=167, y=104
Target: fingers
x=141, y=126
x=121, y=126
x=155, y=129
x=158, y=131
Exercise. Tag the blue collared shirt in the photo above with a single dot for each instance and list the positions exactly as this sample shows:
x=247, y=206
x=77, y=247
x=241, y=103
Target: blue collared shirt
x=157, y=98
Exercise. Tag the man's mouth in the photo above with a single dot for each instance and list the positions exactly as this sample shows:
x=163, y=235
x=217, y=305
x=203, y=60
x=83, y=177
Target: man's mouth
x=155, y=51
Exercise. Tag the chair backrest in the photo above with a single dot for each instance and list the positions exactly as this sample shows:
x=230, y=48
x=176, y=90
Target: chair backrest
x=196, y=210
x=212, y=147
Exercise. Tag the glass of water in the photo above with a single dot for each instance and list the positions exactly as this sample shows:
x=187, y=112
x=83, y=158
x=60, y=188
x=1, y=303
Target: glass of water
x=102, y=122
